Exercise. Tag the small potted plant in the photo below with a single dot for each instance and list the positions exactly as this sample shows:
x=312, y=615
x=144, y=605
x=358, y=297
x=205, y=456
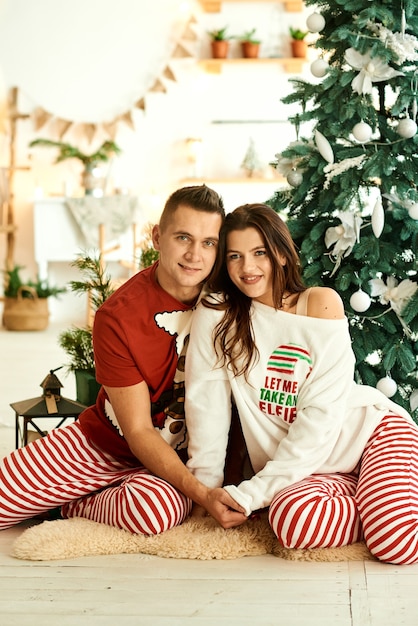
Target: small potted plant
x=103, y=154
x=26, y=302
x=298, y=43
x=220, y=42
x=250, y=45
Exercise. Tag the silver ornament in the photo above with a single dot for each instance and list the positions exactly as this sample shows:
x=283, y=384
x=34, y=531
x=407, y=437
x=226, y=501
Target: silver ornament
x=294, y=178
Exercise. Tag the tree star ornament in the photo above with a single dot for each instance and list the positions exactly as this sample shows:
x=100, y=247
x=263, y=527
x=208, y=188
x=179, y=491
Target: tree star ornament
x=371, y=70
x=387, y=386
x=360, y=301
x=324, y=147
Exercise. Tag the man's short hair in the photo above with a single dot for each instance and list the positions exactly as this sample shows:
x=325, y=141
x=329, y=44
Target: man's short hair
x=198, y=197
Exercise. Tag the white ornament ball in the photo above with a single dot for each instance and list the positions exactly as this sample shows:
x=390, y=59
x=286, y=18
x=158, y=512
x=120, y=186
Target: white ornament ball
x=387, y=386
x=294, y=178
x=315, y=22
x=413, y=211
x=319, y=68
x=407, y=128
x=360, y=301
x=413, y=400
x=362, y=132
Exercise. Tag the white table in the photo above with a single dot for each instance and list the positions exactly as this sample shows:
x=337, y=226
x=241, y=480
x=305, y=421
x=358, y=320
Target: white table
x=58, y=237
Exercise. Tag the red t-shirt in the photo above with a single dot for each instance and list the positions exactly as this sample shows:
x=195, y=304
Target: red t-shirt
x=138, y=335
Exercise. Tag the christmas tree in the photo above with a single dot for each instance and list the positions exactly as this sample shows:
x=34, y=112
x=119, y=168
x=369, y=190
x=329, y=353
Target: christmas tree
x=352, y=203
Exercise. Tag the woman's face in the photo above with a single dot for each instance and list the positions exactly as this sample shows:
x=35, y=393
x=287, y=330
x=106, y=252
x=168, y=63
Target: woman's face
x=248, y=264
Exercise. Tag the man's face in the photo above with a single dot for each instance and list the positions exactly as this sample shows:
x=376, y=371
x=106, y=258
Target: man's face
x=187, y=250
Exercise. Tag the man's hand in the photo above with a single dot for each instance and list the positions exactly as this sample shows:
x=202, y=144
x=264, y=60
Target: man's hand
x=224, y=509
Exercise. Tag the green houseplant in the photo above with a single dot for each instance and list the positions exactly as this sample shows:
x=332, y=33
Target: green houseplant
x=298, y=43
x=148, y=254
x=26, y=302
x=250, y=44
x=76, y=341
x=220, y=42
x=103, y=154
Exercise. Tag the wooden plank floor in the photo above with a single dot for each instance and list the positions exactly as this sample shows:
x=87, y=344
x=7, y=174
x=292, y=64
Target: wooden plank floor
x=125, y=590
x=256, y=591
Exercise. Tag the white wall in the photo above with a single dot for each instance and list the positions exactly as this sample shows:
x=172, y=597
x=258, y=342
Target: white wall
x=91, y=60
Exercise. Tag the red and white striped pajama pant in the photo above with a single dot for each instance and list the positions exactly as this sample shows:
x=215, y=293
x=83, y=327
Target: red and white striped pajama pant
x=380, y=505
x=65, y=469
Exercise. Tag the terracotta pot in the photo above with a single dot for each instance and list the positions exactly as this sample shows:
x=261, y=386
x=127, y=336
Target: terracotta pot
x=299, y=48
x=220, y=48
x=250, y=50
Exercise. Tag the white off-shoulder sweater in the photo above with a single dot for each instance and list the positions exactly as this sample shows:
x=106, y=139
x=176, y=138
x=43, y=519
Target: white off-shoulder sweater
x=301, y=411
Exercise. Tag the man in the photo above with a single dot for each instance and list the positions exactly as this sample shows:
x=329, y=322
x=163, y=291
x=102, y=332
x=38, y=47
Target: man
x=122, y=462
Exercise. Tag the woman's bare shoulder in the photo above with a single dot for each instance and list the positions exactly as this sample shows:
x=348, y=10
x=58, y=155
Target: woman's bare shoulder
x=326, y=303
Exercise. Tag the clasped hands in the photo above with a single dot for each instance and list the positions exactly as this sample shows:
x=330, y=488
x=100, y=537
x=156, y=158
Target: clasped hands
x=222, y=507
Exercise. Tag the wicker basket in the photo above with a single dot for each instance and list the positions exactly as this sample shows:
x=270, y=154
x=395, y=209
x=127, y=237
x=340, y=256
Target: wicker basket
x=25, y=313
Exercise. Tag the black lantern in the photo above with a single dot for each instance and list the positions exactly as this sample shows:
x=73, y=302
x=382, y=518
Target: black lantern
x=50, y=405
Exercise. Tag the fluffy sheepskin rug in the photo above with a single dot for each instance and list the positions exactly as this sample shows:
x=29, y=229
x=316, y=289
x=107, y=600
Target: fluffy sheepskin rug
x=197, y=538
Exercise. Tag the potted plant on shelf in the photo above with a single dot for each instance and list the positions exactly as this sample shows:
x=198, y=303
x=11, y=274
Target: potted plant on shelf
x=298, y=43
x=250, y=45
x=220, y=42
x=26, y=302
x=103, y=154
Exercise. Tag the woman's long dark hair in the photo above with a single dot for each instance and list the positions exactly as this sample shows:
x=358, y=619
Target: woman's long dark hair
x=234, y=338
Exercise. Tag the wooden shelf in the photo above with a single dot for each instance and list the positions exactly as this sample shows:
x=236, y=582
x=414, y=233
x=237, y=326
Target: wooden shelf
x=214, y=66
x=214, y=6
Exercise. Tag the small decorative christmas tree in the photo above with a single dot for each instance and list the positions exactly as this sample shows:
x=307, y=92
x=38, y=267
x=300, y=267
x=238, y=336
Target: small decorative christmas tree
x=352, y=205
x=251, y=162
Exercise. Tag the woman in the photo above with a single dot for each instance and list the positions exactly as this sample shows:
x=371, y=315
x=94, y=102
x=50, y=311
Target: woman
x=334, y=461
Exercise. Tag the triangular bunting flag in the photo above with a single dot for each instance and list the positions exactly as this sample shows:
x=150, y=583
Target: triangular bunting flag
x=89, y=130
x=189, y=34
x=110, y=128
x=40, y=117
x=158, y=86
x=140, y=104
x=181, y=52
x=168, y=73
x=127, y=118
x=62, y=126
